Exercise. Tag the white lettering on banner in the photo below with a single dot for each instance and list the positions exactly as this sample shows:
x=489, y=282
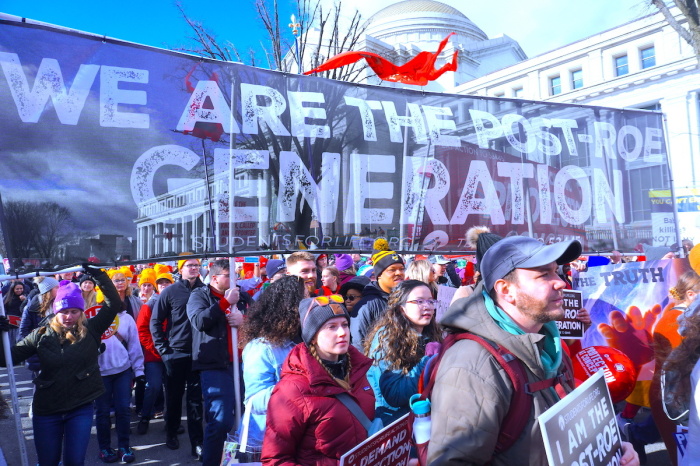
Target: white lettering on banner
x=436, y=125
x=361, y=189
x=417, y=196
x=226, y=161
x=145, y=167
x=365, y=107
x=111, y=96
x=194, y=111
x=298, y=113
x=395, y=122
x=254, y=112
x=606, y=138
x=295, y=178
x=516, y=172
x=478, y=176
x=48, y=83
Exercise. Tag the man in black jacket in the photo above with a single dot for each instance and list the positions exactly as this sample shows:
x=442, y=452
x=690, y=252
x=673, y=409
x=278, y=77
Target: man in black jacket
x=389, y=269
x=212, y=312
x=175, y=347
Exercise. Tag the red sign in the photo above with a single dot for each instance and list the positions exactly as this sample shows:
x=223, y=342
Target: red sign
x=112, y=329
x=391, y=445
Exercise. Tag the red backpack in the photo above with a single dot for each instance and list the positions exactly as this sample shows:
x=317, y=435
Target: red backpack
x=518, y=414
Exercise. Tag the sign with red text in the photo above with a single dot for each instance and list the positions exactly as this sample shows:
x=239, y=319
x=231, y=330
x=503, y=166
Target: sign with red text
x=391, y=446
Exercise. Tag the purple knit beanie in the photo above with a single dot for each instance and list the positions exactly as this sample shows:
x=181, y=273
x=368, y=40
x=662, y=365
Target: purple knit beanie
x=68, y=296
x=343, y=261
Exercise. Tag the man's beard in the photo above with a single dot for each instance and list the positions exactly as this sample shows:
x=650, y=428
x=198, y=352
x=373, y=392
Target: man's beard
x=538, y=309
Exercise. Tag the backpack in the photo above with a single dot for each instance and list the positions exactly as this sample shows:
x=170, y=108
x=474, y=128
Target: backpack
x=518, y=414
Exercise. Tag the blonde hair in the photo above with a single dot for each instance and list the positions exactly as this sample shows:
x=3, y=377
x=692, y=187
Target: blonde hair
x=689, y=281
x=90, y=298
x=73, y=334
x=127, y=291
x=420, y=270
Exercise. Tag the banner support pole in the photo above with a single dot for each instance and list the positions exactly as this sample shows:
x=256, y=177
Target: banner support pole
x=13, y=389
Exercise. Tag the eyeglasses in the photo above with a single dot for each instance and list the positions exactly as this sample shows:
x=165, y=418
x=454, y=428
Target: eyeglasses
x=325, y=300
x=424, y=302
x=222, y=275
x=352, y=297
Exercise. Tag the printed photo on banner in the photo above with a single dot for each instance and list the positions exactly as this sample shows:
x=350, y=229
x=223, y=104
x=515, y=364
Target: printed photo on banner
x=581, y=428
x=629, y=303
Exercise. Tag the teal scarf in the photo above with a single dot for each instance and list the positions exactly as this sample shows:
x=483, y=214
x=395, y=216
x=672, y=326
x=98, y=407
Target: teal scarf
x=551, y=356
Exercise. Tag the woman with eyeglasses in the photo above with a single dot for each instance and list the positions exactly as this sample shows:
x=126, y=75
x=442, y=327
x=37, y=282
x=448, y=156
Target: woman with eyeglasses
x=397, y=346
x=309, y=419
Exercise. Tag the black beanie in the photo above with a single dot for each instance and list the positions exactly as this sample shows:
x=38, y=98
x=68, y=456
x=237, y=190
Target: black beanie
x=313, y=315
x=384, y=259
x=483, y=243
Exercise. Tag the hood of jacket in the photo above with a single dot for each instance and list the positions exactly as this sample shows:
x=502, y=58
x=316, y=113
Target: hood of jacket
x=470, y=314
x=301, y=362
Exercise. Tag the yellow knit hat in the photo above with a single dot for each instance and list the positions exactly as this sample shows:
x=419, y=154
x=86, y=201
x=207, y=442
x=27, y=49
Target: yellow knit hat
x=148, y=276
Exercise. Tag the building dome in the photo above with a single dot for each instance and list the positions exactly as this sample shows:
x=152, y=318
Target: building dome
x=416, y=6
x=425, y=21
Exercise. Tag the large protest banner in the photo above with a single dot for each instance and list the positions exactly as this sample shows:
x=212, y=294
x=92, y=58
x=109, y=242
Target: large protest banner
x=628, y=302
x=168, y=152
x=664, y=216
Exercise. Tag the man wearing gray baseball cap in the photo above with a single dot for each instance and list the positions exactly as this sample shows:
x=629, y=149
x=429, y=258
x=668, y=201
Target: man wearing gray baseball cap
x=514, y=308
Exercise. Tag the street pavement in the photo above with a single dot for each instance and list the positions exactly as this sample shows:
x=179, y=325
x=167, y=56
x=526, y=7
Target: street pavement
x=149, y=448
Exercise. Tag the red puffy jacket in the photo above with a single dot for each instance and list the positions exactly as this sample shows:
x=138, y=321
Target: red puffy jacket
x=306, y=425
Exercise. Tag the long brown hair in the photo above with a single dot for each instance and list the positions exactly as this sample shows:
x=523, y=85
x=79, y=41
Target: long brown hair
x=682, y=360
x=689, y=281
x=399, y=344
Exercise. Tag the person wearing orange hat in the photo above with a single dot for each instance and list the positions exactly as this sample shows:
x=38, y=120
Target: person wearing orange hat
x=147, y=284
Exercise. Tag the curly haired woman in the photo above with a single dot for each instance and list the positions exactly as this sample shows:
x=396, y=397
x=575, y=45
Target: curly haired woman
x=397, y=344
x=269, y=333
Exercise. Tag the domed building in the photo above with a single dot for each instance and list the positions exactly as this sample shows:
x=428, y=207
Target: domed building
x=402, y=30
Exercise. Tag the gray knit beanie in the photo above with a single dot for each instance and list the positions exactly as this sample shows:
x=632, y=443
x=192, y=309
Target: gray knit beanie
x=47, y=284
x=313, y=315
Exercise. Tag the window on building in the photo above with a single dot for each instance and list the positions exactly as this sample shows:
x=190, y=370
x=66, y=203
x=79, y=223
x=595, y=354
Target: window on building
x=621, y=66
x=555, y=85
x=640, y=182
x=577, y=79
x=648, y=56
x=518, y=93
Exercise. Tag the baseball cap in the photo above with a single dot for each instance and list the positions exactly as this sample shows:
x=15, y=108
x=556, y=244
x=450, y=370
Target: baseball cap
x=438, y=260
x=522, y=252
x=274, y=266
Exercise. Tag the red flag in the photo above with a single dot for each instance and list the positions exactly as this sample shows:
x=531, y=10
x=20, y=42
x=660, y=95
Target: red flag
x=419, y=70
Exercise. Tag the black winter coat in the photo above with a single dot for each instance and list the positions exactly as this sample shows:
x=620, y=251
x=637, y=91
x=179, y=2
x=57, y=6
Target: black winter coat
x=210, y=330
x=70, y=376
x=172, y=306
x=370, y=307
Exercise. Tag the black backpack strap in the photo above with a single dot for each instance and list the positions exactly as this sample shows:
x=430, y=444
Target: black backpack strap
x=355, y=410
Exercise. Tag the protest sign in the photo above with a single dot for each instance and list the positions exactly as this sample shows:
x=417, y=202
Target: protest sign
x=681, y=437
x=570, y=326
x=391, y=446
x=581, y=428
x=628, y=302
x=444, y=298
x=169, y=152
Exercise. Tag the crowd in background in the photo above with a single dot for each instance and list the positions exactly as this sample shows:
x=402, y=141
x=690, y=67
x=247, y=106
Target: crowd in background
x=317, y=332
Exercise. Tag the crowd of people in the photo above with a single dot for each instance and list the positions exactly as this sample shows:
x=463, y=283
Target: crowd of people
x=327, y=343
